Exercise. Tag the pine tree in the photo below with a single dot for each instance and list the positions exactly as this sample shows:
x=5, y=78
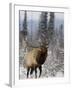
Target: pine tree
x=43, y=27
x=61, y=36
x=25, y=24
x=23, y=33
x=51, y=27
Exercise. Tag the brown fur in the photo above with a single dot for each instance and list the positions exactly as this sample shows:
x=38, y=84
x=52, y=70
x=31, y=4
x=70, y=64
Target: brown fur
x=35, y=58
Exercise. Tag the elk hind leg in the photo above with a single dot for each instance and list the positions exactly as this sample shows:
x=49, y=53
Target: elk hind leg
x=28, y=71
x=31, y=72
x=35, y=72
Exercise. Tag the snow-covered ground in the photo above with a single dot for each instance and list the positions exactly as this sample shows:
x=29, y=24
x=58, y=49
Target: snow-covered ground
x=53, y=66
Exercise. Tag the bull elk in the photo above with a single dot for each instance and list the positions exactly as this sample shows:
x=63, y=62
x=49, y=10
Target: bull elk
x=35, y=59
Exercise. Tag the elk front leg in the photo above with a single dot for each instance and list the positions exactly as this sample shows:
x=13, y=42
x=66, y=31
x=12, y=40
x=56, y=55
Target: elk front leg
x=40, y=68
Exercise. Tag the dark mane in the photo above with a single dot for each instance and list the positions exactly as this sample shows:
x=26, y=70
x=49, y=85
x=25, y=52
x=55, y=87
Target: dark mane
x=41, y=56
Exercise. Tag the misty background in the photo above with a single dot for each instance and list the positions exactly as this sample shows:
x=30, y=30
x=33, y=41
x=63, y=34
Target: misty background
x=41, y=27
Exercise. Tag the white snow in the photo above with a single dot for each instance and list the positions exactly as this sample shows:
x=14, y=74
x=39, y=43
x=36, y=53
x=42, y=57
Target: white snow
x=59, y=74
